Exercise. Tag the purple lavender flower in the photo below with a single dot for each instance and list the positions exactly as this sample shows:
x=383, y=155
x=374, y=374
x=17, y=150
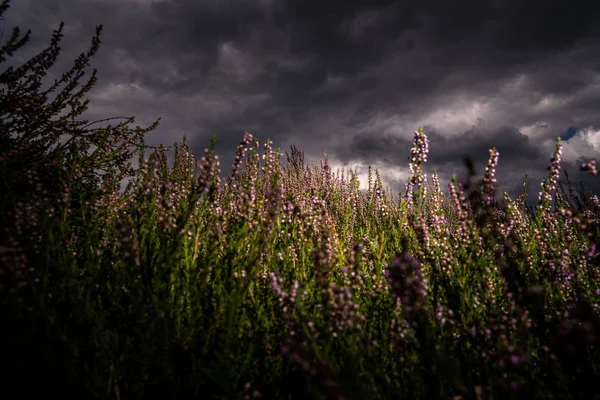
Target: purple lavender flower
x=407, y=282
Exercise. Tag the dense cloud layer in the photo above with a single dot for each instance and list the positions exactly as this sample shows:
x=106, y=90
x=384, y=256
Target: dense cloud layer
x=354, y=78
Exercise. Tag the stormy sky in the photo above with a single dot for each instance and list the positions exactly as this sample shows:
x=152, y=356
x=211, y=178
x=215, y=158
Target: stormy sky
x=354, y=78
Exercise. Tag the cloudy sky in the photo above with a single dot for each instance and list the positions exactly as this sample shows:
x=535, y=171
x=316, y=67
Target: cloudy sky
x=354, y=78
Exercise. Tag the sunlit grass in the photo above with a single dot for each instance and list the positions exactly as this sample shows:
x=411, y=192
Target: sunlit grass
x=286, y=280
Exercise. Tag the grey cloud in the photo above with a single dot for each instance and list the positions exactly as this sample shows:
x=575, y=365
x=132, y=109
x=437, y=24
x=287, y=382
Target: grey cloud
x=354, y=77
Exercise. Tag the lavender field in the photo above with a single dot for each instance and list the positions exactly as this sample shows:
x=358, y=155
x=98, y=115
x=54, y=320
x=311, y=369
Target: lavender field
x=283, y=281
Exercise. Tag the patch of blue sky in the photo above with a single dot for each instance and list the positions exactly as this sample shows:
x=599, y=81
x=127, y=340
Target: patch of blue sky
x=569, y=133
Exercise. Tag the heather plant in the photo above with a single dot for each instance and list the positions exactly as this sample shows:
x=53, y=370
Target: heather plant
x=284, y=280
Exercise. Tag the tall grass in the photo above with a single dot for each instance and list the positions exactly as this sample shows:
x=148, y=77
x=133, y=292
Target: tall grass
x=286, y=281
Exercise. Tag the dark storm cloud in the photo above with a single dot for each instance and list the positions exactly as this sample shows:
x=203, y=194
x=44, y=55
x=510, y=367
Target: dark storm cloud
x=474, y=143
x=354, y=78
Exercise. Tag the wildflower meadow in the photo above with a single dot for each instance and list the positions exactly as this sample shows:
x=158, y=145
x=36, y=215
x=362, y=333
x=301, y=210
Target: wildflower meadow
x=282, y=280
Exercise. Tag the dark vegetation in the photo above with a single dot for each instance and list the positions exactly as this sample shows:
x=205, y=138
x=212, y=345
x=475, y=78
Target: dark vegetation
x=281, y=282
